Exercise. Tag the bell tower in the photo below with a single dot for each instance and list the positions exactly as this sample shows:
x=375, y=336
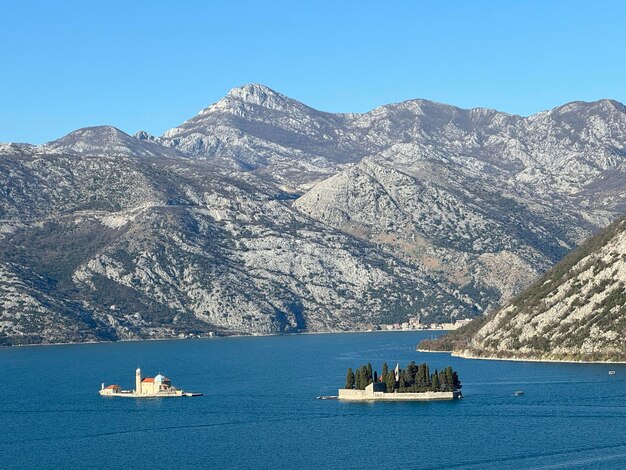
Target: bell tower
x=138, y=381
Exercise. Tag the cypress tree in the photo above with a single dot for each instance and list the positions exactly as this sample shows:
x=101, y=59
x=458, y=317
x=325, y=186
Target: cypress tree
x=369, y=373
x=365, y=376
x=435, y=382
x=402, y=385
x=375, y=376
x=456, y=383
x=419, y=378
x=350, y=379
x=432, y=379
x=390, y=381
x=410, y=373
x=384, y=371
x=442, y=381
x=449, y=378
x=358, y=382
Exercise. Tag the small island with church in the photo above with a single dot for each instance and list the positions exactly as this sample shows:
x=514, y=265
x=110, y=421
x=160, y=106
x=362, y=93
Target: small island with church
x=414, y=383
x=147, y=387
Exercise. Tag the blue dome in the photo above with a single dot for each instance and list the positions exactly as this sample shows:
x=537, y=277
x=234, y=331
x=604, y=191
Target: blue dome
x=159, y=378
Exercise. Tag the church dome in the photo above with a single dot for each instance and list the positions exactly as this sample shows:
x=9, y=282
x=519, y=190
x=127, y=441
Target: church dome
x=159, y=378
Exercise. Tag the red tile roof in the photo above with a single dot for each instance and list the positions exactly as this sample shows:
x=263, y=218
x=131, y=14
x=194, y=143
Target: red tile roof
x=148, y=379
x=112, y=386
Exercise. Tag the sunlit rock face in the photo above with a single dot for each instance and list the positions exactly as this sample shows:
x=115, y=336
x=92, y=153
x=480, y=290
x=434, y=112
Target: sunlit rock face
x=577, y=311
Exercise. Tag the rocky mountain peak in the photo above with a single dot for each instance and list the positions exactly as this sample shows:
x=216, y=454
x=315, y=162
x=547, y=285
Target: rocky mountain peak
x=106, y=141
x=255, y=95
x=95, y=132
x=90, y=140
x=582, y=110
x=420, y=115
x=582, y=123
x=15, y=147
x=143, y=135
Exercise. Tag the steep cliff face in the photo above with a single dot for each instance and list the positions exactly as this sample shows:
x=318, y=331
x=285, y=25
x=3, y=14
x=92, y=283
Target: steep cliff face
x=577, y=311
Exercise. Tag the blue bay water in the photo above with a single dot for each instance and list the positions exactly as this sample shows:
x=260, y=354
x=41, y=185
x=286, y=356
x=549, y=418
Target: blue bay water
x=259, y=408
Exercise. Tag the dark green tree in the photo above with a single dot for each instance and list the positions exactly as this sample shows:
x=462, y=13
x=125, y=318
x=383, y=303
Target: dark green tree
x=425, y=377
x=443, y=384
x=370, y=376
x=365, y=376
x=402, y=384
x=358, y=381
x=435, y=382
x=350, y=379
x=390, y=381
x=385, y=370
x=375, y=376
x=456, y=383
x=409, y=373
x=420, y=380
x=432, y=378
x=449, y=373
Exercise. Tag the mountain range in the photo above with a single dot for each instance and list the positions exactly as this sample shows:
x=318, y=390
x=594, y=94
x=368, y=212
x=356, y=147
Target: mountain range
x=263, y=215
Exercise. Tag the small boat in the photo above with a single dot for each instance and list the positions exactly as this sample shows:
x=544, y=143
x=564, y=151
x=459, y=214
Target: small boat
x=611, y=372
x=518, y=393
x=326, y=397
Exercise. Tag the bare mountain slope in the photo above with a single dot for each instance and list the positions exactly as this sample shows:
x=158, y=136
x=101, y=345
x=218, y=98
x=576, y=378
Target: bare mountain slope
x=125, y=246
x=256, y=129
x=577, y=311
x=280, y=217
x=484, y=199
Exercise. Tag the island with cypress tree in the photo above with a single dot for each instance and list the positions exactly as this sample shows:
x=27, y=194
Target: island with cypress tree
x=413, y=383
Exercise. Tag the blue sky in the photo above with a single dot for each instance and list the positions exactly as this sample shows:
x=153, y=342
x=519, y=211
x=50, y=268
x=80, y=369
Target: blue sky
x=151, y=65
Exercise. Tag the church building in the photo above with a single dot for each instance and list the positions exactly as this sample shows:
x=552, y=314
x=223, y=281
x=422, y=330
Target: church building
x=152, y=385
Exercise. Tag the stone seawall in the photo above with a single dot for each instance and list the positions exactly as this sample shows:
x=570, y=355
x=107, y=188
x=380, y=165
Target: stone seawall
x=370, y=395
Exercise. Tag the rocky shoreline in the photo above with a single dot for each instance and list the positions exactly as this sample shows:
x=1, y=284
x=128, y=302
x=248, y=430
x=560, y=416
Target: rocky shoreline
x=466, y=355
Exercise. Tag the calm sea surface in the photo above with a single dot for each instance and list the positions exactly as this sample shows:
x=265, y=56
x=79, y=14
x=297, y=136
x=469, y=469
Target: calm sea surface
x=259, y=408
